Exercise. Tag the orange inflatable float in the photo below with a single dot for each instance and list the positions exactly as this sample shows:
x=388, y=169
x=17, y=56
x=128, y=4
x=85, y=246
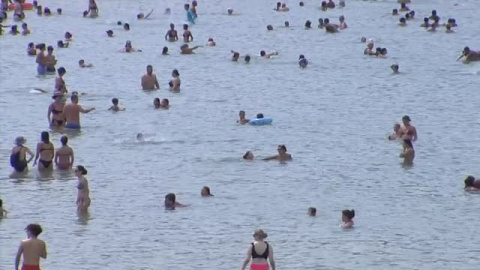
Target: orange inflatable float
x=26, y=6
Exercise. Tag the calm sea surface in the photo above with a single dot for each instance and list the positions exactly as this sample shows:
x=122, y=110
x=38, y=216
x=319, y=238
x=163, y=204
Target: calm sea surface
x=332, y=116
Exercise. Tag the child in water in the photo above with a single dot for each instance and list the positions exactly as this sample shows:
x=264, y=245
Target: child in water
x=347, y=218
x=82, y=64
x=115, y=106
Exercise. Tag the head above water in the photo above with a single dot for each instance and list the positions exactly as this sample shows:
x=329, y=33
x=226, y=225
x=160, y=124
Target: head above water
x=175, y=73
x=110, y=33
x=247, y=58
x=282, y=148
x=45, y=137
x=363, y=39
x=50, y=49
x=59, y=11
x=248, y=156
x=64, y=140
x=68, y=35
x=80, y=169
x=269, y=27
x=149, y=69
x=348, y=214
x=206, y=192
x=312, y=211
x=287, y=24
x=308, y=24
x=259, y=235
x=61, y=71
x=165, y=50
x=259, y=115
x=230, y=11
x=469, y=181
x=33, y=230
x=170, y=198
x=301, y=4
x=126, y=26
x=115, y=101
x=185, y=27
x=395, y=11
x=156, y=102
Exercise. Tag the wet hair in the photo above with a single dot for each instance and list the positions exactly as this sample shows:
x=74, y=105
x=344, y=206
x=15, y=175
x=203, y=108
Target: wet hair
x=349, y=213
x=126, y=26
x=164, y=50
x=85, y=13
x=50, y=48
x=185, y=27
x=312, y=210
x=300, y=4
x=301, y=57
x=279, y=4
x=269, y=27
x=24, y=25
x=403, y=5
x=283, y=147
x=408, y=142
x=395, y=11
x=166, y=101
x=412, y=13
x=74, y=97
x=59, y=11
x=82, y=169
x=434, y=12
x=68, y=35
x=363, y=39
x=406, y=118
x=40, y=46
x=175, y=72
x=170, y=197
x=259, y=115
x=262, y=53
x=186, y=6
x=34, y=229
x=469, y=181
x=287, y=24
x=61, y=70
x=64, y=140
x=47, y=11
x=139, y=15
x=119, y=23
x=246, y=155
x=60, y=44
x=402, y=20
x=383, y=51
x=156, y=100
x=115, y=101
x=207, y=189
x=81, y=61
x=45, y=136
x=308, y=24
x=407, y=16
x=378, y=50
x=247, y=58
x=149, y=66
x=31, y=45
x=425, y=19
x=324, y=3
x=109, y=32
x=326, y=21
x=14, y=28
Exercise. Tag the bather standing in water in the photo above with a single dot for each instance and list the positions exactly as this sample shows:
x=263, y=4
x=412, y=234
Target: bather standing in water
x=45, y=153
x=149, y=80
x=187, y=35
x=171, y=35
x=41, y=59
x=72, y=113
x=51, y=61
x=55, y=115
x=260, y=253
x=64, y=157
x=409, y=131
x=18, y=157
x=171, y=202
x=83, y=194
x=175, y=82
x=408, y=153
x=60, y=85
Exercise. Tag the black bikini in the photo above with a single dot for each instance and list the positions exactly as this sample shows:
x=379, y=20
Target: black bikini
x=55, y=121
x=255, y=255
x=45, y=163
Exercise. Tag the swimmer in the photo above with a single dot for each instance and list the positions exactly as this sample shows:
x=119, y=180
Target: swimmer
x=408, y=153
x=25, y=30
x=206, y=192
x=425, y=23
x=175, y=82
x=347, y=219
x=60, y=85
x=92, y=9
x=433, y=28
x=165, y=103
x=287, y=24
x=149, y=80
x=40, y=11
x=165, y=51
x=171, y=35
x=282, y=154
x=3, y=212
x=363, y=39
x=312, y=211
x=269, y=27
x=47, y=12
x=85, y=13
x=248, y=156
x=330, y=4
x=140, y=137
x=434, y=16
x=341, y=3
x=397, y=132
x=18, y=156
x=343, y=24
x=448, y=29
x=382, y=53
x=369, y=49
x=308, y=24
x=14, y=30
x=259, y=115
x=167, y=11
x=171, y=202
x=395, y=12
x=156, y=103
x=68, y=36
x=211, y=43
x=45, y=153
x=59, y=11
x=302, y=61
x=129, y=48
x=61, y=44
x=265, y=55
x=81, y=63
x=55, y=115
x=18, y=13
x=115, y=106
x=403, y=7
x=72, y=113
x=119, y=23
x=284, y=7
x=242, y=120
x=408, y=130
x=321, y=24
x=51, y=61
x=469, y=55
x=260, y=253
x=126, y=27
x=184, y=49
x=402, y=22
x=329, y=27
x=301, y=4
x=31, y=248
x=411, y=15
x=187, y=35
x=64, y=157
x=395, y=68
x=83, y=194
x=230, y=11
x=142, y=16
x=471, y=184
x=31, y=49
x=452, y=22
x=278, y=7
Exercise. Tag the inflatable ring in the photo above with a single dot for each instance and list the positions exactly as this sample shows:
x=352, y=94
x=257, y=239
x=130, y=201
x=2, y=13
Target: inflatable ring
x=26, y=6
x=261, y=121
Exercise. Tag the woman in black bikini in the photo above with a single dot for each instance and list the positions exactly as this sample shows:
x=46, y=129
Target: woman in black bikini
x=18, y=158
x=260, y=252
x=45, y=153
x=55, y=111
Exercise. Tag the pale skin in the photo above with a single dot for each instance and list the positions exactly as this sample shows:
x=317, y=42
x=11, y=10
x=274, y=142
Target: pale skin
x=149, y=80
x=242, y=119
x=409, y=129
x=64, y=157
x=282, y=156
x=260, y=247
x=408, y=155
x=175, y=83
x=347, y=223
x=44, y=152
x=60, y=84
x=72, y=112
x=58, y=106
x=187, y=36
x=32, y=250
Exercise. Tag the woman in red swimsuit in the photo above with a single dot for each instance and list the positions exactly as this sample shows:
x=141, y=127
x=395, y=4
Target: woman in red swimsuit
x=260, y=252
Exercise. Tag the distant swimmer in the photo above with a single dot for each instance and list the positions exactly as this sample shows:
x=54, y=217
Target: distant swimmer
x=206, y=192
x=126, y=27
x=321, y=24
x=341, y=3
x=194, y=8
x=369, y=49
x=248, y=156
x=330, y=4
x=469, y=55
x=115, y=107
x=184, y=49
x=363, y=40
x=402, y=22
x=347, y=219
x=448, y=29
x=411, y=15
x=230, y=11
x=140, y=137
x=156, y=103
x=343, y=24
x=187, y=35
x=172, y=34
x=25, y=30
x=269, y=27
x=167, y=11
x=81, y=63
x=381, y=52
x=472, y=184
x=452, y=22
x=278, y=7
x=302, y=61
x=265, y=55
x=434, y=16
x=408, y=153
x=64, y=156
x=62, y=44
x=59, y=11
x=395, y=12
x=92, y=9
x=72, y=113
x=403, y=7
x=308, y=24
x=247, y=59
x=109, y=33
x=165, y=51
x=408, y=130
x=142, y=16
x=3, y=212
x=284, y=8
x=287, y=24
x=83, y=193
x=55, y=115
x=242, y=120
x=312, y=211
x=301, y=4
x=395, y=68
x=149, y=81
x=31, y=248
x=51, y=61
x=282, y=154
x=175, y=82
x=165, y=103
x=260, y=253
x=171, y=202
x=425, y=23
x=18, y=157
x=60, y=85
x=47, y=11
x=31, y=49
x=14, y=30
x=68, y=36
x=330, y=27
x=211, y=43
x=129, y=48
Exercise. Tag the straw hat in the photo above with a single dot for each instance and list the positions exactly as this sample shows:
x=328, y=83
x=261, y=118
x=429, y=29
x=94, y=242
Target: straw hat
x=260, y=233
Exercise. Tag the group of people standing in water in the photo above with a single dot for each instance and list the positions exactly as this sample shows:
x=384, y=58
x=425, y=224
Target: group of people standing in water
x=61, y=115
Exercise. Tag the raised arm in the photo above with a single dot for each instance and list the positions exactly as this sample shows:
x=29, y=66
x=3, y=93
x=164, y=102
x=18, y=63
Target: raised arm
x=271, y=158
x=247, y=259
x=82, y=110
x=19, y=255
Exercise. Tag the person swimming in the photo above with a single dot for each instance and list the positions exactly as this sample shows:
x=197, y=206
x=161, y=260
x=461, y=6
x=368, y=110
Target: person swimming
x=81, y=63
x=68, y=36
x=265, y=55
x=171, y=202
x=31, y=49
x=247, y=59
x=242, y=120
x=308, y=24
x=184, y=49
x=472, y=184
x=395, y=12
x=115, y=106
x=248, y=156
x=312, y=211
x=343, y=24
x=287, y=24
x=211, y=42
x=165, y=51
x=302, y=61
x=141, y=16
x=109, y=33
x=235, y=56
x=25, y=30
x=402, y=22
x=165, y=103
x=62, y=44
x=425, y=23
x=282, y=154
x=206, y=192
x=469, y=55
x=395, y=68
x=269, y=27
x=230, y=11
x=156, y=103
x=347, y=219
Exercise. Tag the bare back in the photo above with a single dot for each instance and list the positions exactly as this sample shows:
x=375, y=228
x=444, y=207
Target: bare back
x=33, y=250
x=72, y=113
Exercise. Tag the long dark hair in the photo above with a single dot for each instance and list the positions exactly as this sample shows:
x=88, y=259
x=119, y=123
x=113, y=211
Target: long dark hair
x=45, y=137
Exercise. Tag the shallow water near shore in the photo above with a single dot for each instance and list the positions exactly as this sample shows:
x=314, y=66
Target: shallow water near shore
x=333, y=117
